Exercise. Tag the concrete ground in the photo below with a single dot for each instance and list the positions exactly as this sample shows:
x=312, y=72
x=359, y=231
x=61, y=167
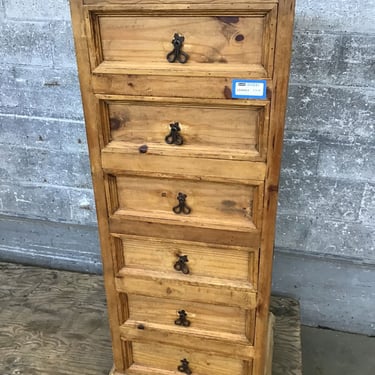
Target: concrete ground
x=327, y=352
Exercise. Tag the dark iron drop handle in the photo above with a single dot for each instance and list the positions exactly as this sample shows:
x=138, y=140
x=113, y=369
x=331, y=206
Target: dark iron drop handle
x=182, y=207
x=182, y=320
x=174, y=136
x=177, y=54
x=184, y=367
x=181, y=265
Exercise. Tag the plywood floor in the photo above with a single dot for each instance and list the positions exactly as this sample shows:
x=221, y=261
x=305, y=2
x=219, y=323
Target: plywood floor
x=55, y=323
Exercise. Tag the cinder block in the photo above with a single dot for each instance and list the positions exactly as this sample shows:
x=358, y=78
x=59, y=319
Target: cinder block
x=367, y=212
x=333, y=113
x=82, y=207
x=292, y=231
x=321, y=198
x=37, y=9
x=63, y=44
x=25, y=43
x=346, y=16
x=44, y=92
x=355, y=242
x=336, y=59
x=49, y=244
x=355, y=163
x=48, y=202
x=45, y=167
x=2, y=10
x=338, y=295
x=35, y=202
x=50, y=134
x=300, y=158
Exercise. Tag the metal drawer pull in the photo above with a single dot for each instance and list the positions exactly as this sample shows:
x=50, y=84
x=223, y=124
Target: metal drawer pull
x=181, y=265
x=143, y=149
x=177, y=54
x=174, y=136
x=184, y=367
x=182, y=320
x=182, y=207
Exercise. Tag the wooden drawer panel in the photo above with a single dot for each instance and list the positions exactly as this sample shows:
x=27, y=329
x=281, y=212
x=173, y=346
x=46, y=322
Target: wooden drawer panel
x=118, y=159
x=227, y=344
x=186, y=287
x=164, y=360
x=160, y=228
x=164, y=312
x=215, y=44
x=183, y=87
x=227, y=262
x=221, y=130
x=211, y=203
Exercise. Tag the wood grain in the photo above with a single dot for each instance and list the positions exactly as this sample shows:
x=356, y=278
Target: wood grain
x=122, y=51
x=52, y=317
x=117, y=159
x=148, y=355
x=217, y=130
x=210, y=202
x=180, y=230
x=275, y=144
x=287, y=356
x=226, y=344
x=203, y=259
x=208, y=40
x=191, y=3
x=202, y=316
x=52, y=322
x=232, y=41
x=120, y=81
x=186, y=287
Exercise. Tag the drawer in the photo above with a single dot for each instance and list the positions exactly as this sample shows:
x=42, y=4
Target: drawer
x=235, y=346
x=193, y=258
x=164, y=360
x=200, y=128
x=201, y=316
x=224, y=329
x=215, y=42
x=203, y=204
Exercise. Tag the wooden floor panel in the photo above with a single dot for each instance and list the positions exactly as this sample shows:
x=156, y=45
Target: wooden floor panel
x=55, y=323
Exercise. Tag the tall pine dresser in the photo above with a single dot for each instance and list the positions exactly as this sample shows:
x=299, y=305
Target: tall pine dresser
x=184, y=105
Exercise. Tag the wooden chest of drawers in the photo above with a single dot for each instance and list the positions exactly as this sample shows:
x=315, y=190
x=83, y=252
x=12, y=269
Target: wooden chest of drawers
x=184, y=105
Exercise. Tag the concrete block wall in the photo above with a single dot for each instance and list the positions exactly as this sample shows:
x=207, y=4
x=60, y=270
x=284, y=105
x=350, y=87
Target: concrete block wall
x=326, y=220
x=47, y=211
x=325, y=230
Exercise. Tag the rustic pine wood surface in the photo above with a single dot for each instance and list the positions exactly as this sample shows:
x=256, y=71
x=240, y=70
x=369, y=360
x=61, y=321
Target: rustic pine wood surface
x=55, y=323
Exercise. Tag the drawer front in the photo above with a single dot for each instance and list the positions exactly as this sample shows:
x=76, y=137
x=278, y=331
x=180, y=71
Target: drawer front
x=168, y=319
x=168, y=358
x=197, y=129
x=198, y=259
x=199, y=316
x=199, y=203
x=228, y=42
